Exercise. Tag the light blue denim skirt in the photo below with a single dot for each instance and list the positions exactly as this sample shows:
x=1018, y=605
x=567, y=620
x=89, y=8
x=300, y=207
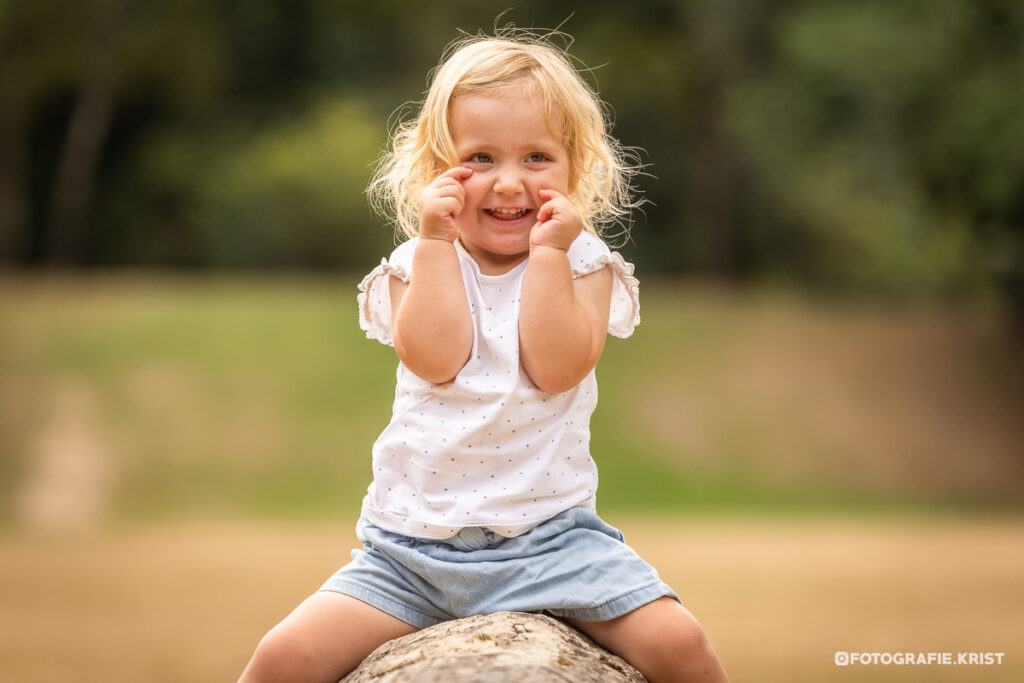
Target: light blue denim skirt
x=573, y=565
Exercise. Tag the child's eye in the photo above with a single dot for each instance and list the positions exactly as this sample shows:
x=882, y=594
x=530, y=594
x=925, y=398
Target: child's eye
x=480, y=158
x=537, y=157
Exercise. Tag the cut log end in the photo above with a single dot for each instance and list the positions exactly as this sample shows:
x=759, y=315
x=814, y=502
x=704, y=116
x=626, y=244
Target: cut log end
x=506, y=647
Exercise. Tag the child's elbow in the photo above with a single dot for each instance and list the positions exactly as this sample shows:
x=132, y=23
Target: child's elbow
x=430, y=367
x=439, y=379
x=435, y=374
x=557, y=370
x=557, y=385
x=557, y=379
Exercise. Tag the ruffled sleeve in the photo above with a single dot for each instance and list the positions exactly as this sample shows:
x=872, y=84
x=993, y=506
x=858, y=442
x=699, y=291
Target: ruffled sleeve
x=588, y=254
x=374, y=298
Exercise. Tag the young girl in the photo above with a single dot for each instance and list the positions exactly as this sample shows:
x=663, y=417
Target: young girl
x=483, y=492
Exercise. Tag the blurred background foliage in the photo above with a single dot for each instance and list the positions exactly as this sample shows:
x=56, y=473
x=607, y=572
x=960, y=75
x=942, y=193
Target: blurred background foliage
x=183, y=221
x=873, y=148
x=831, y=259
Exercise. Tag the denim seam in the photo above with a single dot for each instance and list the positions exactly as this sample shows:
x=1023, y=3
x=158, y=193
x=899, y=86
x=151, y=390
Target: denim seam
x=656, y=589
x=353, y=589
x=425, y=569
x=421, y=570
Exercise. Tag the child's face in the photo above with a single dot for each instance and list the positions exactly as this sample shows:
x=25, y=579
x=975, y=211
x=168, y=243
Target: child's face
x=503, y=136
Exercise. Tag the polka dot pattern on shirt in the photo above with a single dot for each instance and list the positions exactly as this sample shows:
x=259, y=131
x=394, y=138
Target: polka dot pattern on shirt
x=489, y=448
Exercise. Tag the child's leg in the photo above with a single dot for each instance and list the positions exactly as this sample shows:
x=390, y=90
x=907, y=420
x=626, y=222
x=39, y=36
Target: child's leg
x=326, y=636
x=661, y=639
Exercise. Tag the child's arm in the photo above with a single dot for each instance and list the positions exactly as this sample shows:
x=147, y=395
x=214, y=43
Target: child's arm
x=432, y=327
x=563, y=321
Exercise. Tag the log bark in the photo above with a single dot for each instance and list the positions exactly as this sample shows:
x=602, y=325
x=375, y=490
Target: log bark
x=506, y=647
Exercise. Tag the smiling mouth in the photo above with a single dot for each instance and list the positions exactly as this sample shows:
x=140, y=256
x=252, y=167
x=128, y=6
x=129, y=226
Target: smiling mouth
x=507, y=214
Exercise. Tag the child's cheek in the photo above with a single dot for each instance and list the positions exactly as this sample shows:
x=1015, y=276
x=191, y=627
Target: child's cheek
x=475, y=186
x=560, y=183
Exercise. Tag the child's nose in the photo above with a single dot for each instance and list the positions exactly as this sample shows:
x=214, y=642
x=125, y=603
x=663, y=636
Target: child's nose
x=508, y=181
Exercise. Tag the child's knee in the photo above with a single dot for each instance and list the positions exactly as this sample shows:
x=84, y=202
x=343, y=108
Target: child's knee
x=685, y=637
x=679, y=645
x=280, y=656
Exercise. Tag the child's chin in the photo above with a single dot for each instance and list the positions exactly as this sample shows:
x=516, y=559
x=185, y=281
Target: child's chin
x=513, y=246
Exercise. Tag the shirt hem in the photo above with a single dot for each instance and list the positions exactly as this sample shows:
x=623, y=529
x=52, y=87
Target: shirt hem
x=433, y=531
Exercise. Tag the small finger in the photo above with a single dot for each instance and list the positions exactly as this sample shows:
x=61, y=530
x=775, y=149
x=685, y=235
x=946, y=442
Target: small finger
x=545, y=212
x=458, y=173
x=449, y=188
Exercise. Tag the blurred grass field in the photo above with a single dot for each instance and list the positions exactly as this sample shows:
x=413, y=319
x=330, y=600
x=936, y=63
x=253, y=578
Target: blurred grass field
x=133, y=396
x=187, y=602
x=182, y=460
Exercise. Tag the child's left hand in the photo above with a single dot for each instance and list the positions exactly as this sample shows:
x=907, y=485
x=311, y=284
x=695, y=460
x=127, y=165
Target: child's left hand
x=558, y=223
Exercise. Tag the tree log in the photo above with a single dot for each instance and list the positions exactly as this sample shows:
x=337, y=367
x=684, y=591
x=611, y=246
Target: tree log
x=506, y=647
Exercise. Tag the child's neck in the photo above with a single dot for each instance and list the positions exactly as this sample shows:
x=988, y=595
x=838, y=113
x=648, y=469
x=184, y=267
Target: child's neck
x=495, y=264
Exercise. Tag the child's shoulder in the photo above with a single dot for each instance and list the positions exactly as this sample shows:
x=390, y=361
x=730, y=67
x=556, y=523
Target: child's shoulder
x=406, y=248
x=401, y=256
x=587, y=254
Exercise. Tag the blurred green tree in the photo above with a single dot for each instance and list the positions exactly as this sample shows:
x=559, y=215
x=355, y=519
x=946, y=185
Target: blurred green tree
x=866, y=146
x=72, y=74
x=292, y=193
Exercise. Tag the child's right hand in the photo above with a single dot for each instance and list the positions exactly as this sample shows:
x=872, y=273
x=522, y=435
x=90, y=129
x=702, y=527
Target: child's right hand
x=442, y=203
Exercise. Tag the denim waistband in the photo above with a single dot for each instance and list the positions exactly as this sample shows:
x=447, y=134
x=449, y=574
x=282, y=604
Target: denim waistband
x=474, y=538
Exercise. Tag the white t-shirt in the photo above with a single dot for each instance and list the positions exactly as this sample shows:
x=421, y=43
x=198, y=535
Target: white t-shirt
x=488, y=449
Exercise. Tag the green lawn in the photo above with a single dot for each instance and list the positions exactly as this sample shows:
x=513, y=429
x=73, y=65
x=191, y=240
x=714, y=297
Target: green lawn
x=132, y=396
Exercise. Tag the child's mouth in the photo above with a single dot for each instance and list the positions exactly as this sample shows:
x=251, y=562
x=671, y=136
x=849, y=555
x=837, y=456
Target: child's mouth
x=507, y=214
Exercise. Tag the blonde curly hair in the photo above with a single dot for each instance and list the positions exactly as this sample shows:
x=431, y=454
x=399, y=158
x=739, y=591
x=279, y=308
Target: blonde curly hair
x=601, y=169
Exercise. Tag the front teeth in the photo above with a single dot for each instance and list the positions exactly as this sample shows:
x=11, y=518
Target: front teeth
x=508, y=213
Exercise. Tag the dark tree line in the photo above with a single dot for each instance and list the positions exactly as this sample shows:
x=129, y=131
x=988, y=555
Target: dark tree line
x=873, y=146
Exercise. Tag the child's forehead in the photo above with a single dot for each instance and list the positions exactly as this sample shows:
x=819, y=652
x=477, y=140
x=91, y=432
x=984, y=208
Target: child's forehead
x=524, y=89
x=493, y=111
x=524, y=86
